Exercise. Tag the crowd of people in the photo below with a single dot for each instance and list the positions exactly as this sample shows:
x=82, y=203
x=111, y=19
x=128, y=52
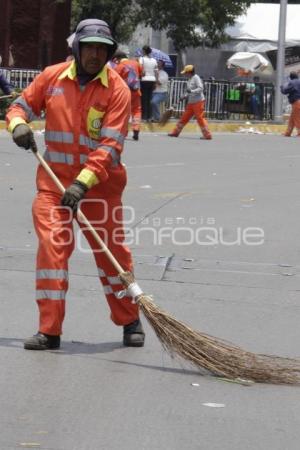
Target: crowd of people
x=148, y=83
x=147, y=80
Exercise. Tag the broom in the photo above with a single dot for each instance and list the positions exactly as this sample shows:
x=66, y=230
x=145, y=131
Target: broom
x=202, y=350
x=166, y=116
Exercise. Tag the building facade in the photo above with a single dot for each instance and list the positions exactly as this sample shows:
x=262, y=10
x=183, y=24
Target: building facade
x=33, y=33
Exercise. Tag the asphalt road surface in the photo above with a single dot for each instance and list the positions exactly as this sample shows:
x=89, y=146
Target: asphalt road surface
x=214, y=230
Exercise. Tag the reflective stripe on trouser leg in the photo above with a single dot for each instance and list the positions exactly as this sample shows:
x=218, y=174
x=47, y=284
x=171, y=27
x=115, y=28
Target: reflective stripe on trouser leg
x=186, y=116
x=108, y=219
x=198, y=109
x=136, y=110
x=53, y=225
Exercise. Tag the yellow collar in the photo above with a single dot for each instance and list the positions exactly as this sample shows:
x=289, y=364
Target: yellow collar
x=71, y=73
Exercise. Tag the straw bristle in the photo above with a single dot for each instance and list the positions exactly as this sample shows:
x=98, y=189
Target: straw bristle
x=166, y=116
x=215, y=355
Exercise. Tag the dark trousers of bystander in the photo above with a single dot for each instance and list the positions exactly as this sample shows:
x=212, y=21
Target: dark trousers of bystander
x=147, y=89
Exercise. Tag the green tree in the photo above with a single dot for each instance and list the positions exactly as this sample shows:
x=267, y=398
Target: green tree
x=121, y=15
x=181, y=19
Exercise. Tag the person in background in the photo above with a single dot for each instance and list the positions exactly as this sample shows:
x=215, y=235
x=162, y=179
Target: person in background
x=160, y=93
x=148, y=80
x=5, y=86
x=195, y=104
x=256, y=99
x=87, y=109
x=131, y=71
x=292, y=90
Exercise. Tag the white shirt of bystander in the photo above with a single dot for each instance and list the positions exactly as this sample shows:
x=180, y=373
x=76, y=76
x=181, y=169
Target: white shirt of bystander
x=150, y=68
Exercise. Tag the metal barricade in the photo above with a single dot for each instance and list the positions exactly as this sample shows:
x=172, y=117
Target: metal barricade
x=176, y=88
x=228, y=100
x=19, y=78
x=224, y=99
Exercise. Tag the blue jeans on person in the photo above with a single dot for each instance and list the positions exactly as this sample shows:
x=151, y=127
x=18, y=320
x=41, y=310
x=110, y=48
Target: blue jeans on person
x=157, y=99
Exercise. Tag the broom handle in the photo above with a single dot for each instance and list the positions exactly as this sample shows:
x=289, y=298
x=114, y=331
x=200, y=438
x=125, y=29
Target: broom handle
x=80, y=214
x=5, y=96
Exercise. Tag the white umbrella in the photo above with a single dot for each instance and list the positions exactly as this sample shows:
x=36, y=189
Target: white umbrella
x=253, y=62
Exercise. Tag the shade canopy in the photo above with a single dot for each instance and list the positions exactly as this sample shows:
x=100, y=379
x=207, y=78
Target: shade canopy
x=252, y=62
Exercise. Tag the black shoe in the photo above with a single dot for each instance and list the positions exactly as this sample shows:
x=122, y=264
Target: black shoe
x=135, y=135
x=173, y=135
x=134, y=335
x=42, y=341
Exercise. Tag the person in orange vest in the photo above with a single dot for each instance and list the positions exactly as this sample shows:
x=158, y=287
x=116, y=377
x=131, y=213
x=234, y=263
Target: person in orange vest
x=195, y=104
x=131, y=71
x=87, y=109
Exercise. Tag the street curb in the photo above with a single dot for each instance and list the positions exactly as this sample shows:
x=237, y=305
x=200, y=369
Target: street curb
x=221, y=127
x=192, y=127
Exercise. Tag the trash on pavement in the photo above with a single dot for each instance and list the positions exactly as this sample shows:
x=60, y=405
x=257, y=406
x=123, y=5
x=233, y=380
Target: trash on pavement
x=214, y=405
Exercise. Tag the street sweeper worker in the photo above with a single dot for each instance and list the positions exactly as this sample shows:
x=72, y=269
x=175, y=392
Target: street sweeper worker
x=195, y=99
x=131, y=72
x=87, y=109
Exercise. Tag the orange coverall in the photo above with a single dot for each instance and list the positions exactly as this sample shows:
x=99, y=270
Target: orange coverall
x=294, y=119
x=85, y=129
x=195, y=107
x=136, y=106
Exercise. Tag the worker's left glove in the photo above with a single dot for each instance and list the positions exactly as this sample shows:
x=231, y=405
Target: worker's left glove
x=188, y=90
x=73, y=194
x=183, y=97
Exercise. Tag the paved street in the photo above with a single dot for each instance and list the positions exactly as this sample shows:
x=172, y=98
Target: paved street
x=214, y=230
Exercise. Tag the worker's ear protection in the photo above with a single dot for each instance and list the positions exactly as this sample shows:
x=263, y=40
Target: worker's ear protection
x=97, y=29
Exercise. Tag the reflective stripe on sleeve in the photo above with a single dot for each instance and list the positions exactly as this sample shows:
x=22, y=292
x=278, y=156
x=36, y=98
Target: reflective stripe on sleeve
x=112, y=133
x=28, y=110
x=114, y=154
x=58, y=157
x=52, y=274
x=50, y=294
x=93, y=145
x=59, y=136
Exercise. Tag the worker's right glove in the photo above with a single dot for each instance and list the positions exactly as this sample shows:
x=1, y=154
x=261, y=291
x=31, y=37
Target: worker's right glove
x=23, y=136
